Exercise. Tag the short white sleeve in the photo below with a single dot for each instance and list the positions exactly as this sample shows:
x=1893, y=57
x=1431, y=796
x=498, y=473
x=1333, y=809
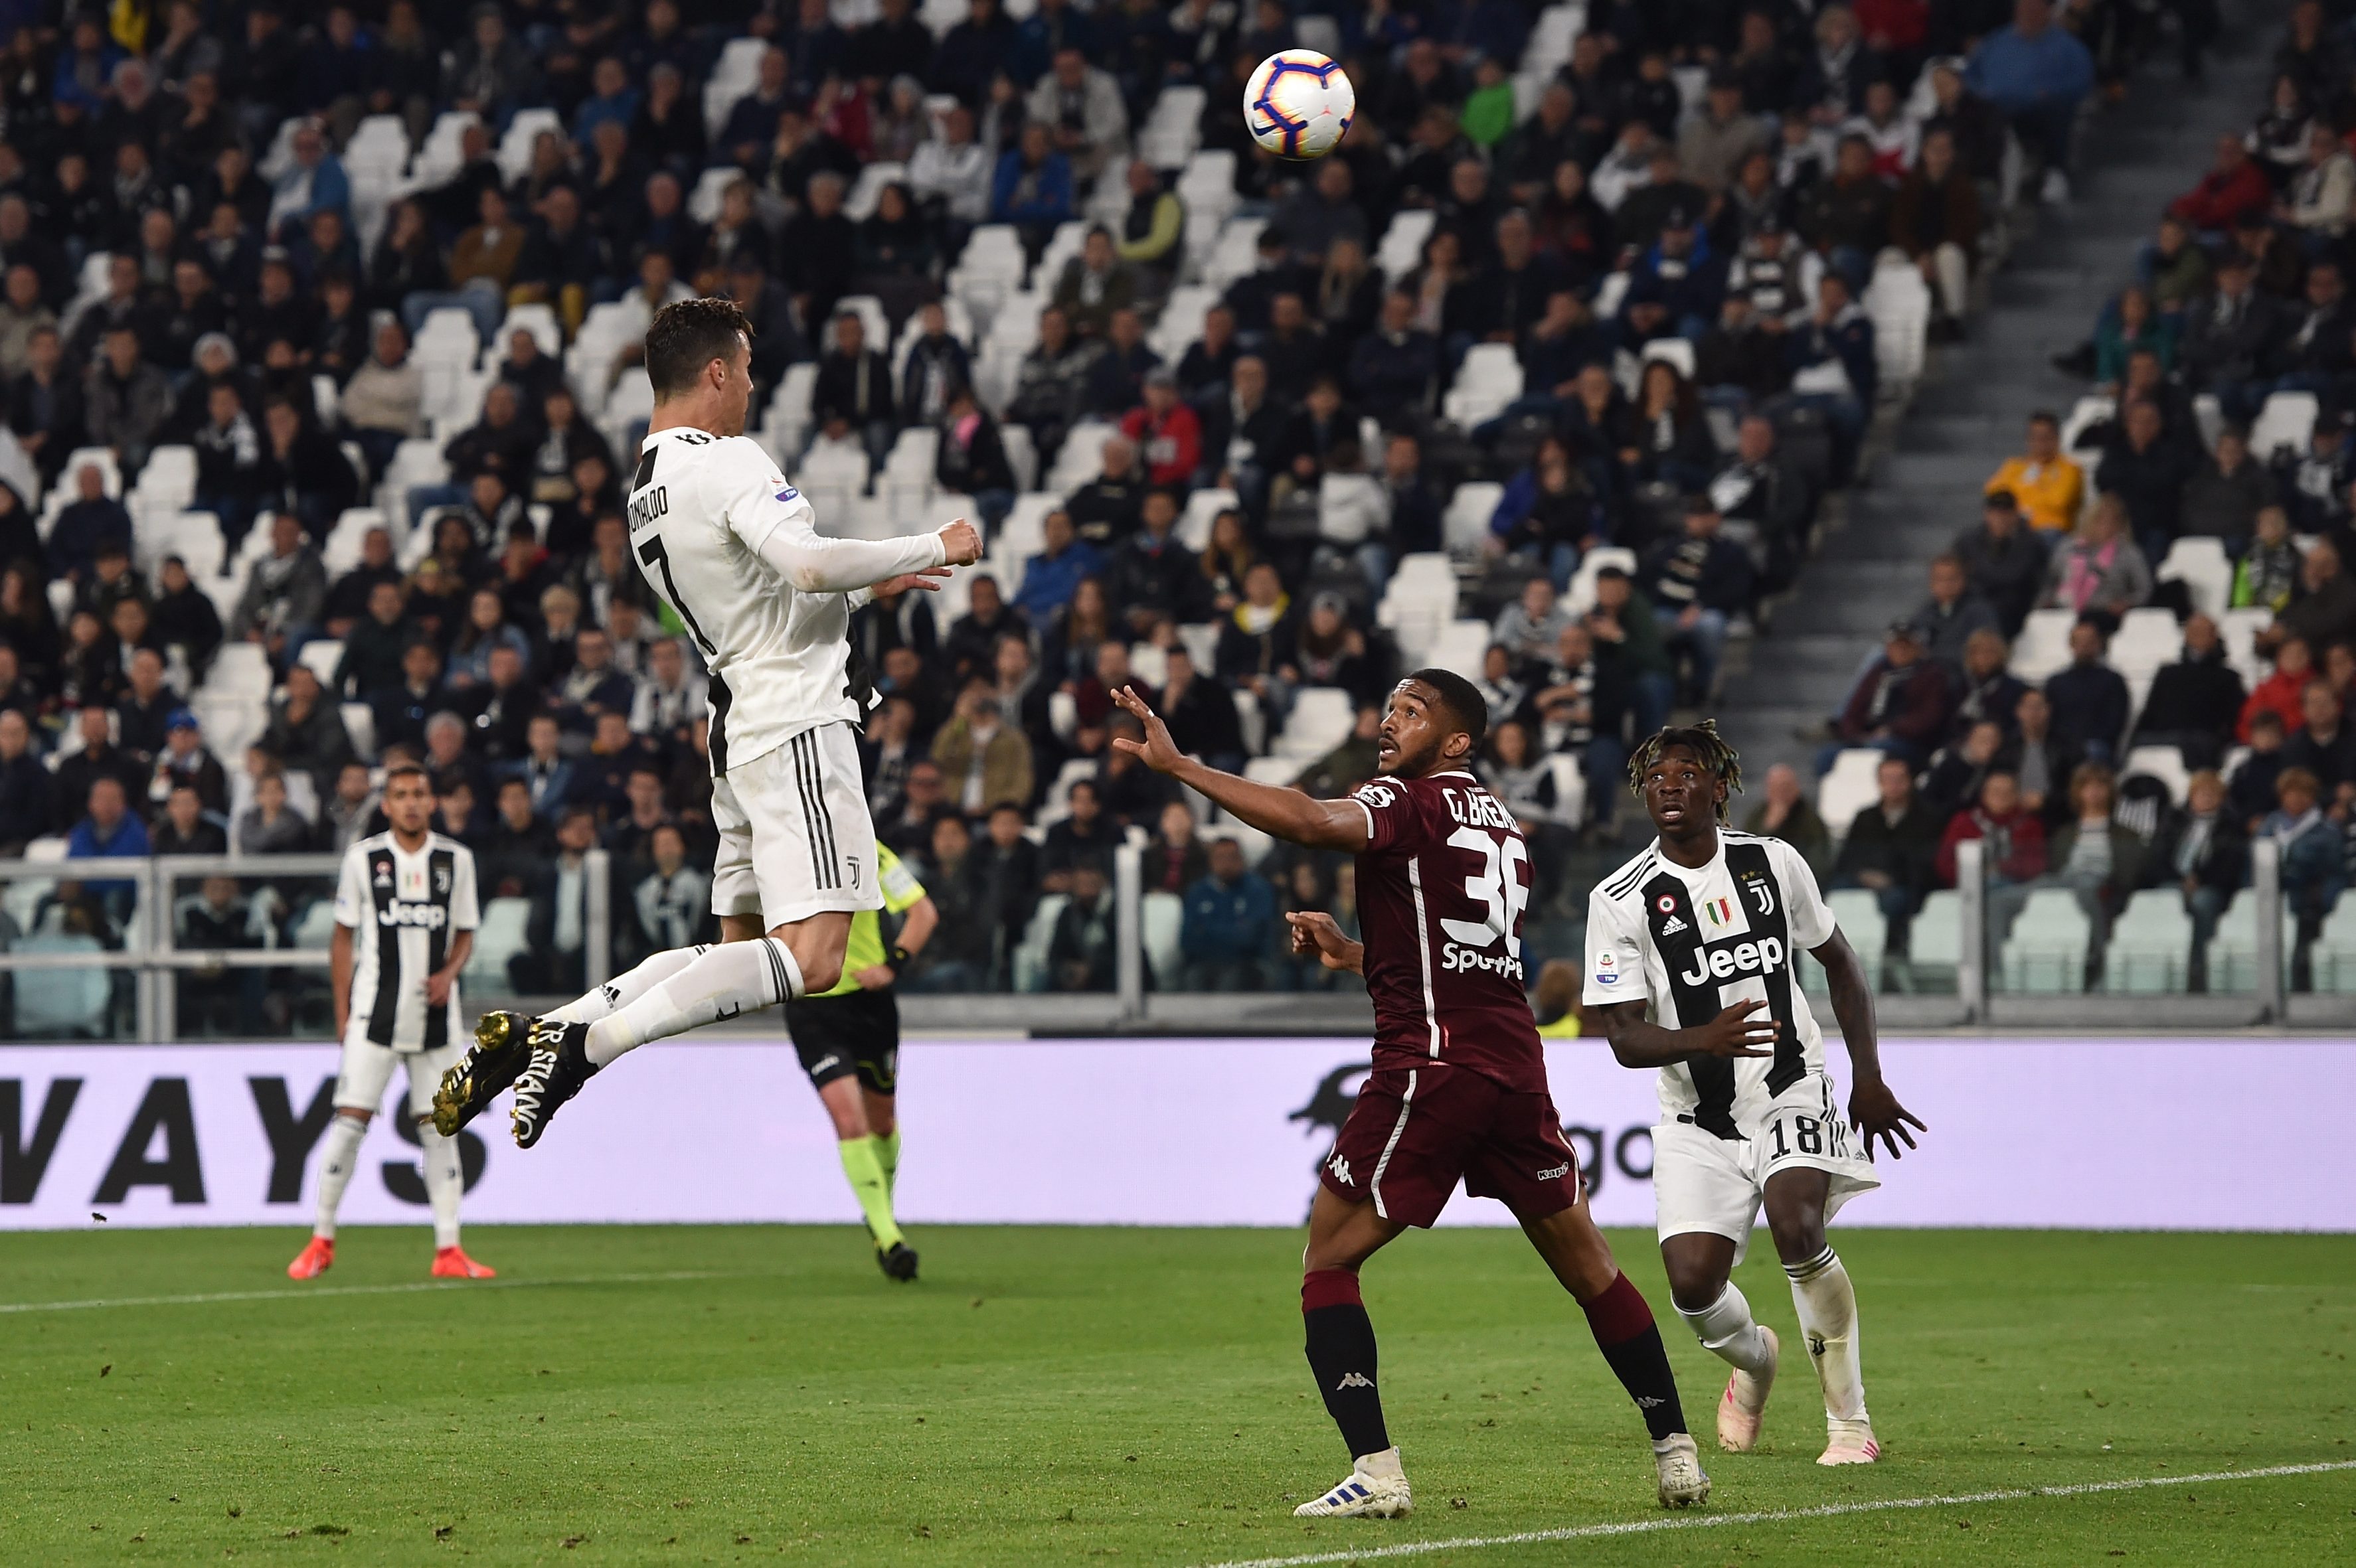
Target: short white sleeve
x=1615, y=952
x=464, y=912
x=351, y=890
x=1812, y=922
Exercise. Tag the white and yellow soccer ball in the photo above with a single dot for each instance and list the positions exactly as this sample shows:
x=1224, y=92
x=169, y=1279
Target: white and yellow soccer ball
x=1299, y=103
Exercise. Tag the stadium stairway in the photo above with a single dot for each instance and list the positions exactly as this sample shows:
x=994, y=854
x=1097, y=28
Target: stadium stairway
x=1971, y=407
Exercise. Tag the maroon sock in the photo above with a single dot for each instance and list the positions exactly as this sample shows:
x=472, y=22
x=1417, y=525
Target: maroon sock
x=1342, y=1356
x=1631, y=1341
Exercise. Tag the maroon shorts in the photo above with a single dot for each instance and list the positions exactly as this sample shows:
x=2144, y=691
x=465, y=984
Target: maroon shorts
x=1416, y=1130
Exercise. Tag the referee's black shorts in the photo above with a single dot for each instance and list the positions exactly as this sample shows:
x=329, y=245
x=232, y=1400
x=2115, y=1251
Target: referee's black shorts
x=858, y=1031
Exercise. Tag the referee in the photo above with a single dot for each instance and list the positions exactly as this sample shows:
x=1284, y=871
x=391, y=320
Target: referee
x=849, y=1038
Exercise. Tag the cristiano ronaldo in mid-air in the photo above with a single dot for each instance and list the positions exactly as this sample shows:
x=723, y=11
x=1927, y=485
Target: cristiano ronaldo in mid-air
x=1459, y=1086
x=733, y=550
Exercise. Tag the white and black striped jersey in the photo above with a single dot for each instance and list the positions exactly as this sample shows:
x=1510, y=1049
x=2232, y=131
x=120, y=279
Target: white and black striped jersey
x=1691, y=943
x=402, y=909
x=734, y=551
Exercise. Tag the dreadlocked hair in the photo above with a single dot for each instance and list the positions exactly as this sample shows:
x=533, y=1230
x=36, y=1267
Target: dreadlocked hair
x=1718, y=759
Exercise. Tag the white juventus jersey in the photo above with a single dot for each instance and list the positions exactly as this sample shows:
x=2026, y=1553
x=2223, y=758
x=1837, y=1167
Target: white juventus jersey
x=1691, y=943
x=704, y=512
x=402, y=909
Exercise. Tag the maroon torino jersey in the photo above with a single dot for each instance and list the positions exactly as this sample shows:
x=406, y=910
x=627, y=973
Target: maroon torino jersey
x=1441, y=885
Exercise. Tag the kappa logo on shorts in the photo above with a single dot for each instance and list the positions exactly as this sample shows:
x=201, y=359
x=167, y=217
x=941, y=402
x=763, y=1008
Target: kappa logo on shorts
x=1557, y=1174
x=1341, y=1170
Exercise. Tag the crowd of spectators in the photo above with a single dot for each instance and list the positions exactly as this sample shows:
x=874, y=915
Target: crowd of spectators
x=1742, y=215
x=2239, y=299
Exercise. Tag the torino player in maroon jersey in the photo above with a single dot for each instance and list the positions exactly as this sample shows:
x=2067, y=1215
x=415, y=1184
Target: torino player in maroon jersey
x=1459, y=1087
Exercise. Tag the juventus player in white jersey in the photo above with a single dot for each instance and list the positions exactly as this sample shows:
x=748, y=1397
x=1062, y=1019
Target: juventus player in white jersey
x=733, y=548
x=1687, y=943
x=405, y=920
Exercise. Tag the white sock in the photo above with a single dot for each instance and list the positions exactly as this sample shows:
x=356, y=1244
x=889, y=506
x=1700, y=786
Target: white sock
x=336, y=1162
x=1827, y=1307
x=1726, y=1330
x=731, y=979
x=623, y=989
x=443, y=1180
x=1379, y=1466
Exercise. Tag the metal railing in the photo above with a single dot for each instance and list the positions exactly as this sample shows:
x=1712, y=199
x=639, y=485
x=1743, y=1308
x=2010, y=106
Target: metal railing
x=154, y=962
x=150, y=950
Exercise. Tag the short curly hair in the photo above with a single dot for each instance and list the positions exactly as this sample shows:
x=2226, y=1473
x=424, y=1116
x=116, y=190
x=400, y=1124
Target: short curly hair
x=1710, y=748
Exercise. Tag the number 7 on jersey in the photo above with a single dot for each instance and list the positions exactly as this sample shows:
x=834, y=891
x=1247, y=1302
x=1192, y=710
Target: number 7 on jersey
x=653, y=554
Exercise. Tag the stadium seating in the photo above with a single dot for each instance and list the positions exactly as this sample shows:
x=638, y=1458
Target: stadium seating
x=2047, y=947
x=2150, y=945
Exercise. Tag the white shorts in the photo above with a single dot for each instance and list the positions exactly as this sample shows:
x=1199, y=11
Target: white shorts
x=794, y=836
x=368, y=1070
x=1703, y=1182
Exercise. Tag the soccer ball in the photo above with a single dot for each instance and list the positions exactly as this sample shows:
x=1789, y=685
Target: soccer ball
x=1298, y=104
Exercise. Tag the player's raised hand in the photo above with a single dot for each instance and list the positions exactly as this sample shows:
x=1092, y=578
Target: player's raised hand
x=1735, y=1032
x=962, y=540
x=1157, y=751
x=1875, y=1112
x=929, y=580
x=1314, y=931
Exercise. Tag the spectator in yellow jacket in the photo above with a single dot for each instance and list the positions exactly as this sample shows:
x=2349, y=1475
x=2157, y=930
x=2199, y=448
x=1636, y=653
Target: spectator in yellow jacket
x=2048, y=487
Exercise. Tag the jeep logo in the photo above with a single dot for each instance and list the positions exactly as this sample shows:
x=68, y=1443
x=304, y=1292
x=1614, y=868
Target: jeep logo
x=431, y=917
x=1723, y=961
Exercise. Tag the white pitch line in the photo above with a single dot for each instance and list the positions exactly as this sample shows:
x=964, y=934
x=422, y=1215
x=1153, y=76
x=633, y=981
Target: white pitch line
x=353, y=1290
x=1777, y=1516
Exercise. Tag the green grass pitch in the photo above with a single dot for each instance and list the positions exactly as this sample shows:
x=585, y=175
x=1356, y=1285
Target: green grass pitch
x=1127, y=1397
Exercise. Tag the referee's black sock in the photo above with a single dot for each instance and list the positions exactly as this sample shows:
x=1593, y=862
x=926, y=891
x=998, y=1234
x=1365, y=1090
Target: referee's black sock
x=1342, y=1355
x=1631, y=1341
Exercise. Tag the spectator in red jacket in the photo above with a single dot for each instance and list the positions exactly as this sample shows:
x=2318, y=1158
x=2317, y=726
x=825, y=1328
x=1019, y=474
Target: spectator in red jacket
x=2278, y=693
x=1900, y=706
x=2233, y=185
x=2015, y=852
x=1166, y=430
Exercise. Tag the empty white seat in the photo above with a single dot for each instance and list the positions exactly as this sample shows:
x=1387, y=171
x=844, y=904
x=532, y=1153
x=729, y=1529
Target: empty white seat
x=1675, y=351
x=2043, y=645
x=2146, y=639
x=1463, y=645
x=1853, y=783
x=502, y=935
x=2165, y=763
x=2046, y=950
x=2151, y=949
x=1321, y=719
x=1465, y=524
x=2202, y=565
x=2287, y=420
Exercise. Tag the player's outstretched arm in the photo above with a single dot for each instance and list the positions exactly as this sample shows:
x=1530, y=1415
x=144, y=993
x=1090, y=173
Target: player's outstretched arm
x=782, y=531
x=1872, y=1107
x=1285, y=814
x=1314, y=931
x=1638, y=1042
